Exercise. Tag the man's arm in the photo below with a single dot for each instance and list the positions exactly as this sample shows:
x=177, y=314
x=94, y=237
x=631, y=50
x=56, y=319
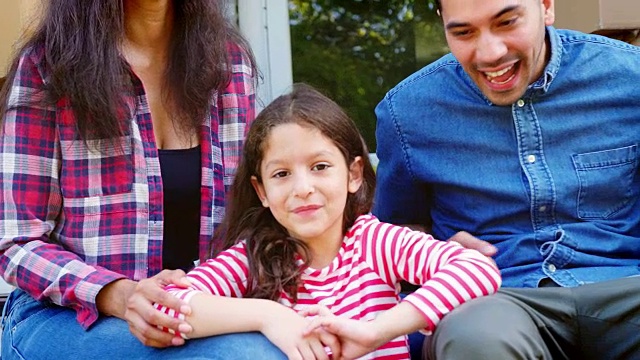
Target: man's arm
x=400, y=197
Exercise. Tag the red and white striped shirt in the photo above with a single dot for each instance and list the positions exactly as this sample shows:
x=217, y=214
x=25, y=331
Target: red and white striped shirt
x=363, y=280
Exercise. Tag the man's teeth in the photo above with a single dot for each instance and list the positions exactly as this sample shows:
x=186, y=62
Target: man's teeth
x=493, y=74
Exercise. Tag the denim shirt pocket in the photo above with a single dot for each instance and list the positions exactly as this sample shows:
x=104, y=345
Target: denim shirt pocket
x=606, y=181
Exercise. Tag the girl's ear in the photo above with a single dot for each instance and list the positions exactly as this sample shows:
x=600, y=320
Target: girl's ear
x=355, y=174
x=259, y=188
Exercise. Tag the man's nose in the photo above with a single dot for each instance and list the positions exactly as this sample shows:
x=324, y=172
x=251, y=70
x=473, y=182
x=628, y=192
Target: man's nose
x=490, y=49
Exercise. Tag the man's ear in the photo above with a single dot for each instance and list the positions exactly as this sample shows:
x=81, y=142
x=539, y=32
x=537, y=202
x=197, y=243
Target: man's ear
x=259, y=188
x=355, y=174
x=549, y=12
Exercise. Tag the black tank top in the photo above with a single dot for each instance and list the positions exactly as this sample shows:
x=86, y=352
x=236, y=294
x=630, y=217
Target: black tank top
x=181, y=177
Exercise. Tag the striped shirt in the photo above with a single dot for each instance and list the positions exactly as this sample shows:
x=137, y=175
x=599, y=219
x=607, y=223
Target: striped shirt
x=73, y=220
x=363, y=280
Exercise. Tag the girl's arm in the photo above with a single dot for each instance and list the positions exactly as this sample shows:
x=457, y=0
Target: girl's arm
x=449, y=274
x=217, y=307
x=215, y=315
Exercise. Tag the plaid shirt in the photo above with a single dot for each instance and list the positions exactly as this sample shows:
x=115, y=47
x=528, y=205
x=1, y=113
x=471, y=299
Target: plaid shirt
x=73, y=220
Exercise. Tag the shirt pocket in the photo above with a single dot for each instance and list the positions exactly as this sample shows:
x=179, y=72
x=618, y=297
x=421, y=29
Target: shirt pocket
x=606, y=181
x=96, y=168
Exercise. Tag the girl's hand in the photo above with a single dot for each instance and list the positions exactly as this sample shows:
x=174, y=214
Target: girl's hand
x=286, y=330
x=357, y=338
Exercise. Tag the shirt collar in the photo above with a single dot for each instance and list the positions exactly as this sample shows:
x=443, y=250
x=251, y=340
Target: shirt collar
x=550, y=71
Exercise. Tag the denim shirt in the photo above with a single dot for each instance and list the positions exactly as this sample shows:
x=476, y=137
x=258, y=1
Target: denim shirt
x=553, y=180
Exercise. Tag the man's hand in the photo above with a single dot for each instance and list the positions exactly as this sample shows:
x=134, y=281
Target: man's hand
x=463, y=238
x=471, y=242
x=133, y=302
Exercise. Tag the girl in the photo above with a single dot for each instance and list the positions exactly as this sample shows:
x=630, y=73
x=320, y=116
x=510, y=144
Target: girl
x=298, y=241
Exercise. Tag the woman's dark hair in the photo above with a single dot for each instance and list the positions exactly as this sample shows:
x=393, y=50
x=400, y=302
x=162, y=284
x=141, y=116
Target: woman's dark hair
x=82, y=40
x=271, y=251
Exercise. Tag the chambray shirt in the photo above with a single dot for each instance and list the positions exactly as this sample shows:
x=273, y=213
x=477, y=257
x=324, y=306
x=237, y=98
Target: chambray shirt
x=73, y=220
x=552, y=180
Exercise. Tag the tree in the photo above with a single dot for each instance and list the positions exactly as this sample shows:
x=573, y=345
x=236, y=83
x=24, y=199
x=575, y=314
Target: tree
x=356, y=50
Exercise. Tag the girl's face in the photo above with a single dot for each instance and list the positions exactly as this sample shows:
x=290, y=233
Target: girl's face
x=305, y=181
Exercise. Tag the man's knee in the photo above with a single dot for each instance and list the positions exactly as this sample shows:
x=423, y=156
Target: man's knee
x=493, y=327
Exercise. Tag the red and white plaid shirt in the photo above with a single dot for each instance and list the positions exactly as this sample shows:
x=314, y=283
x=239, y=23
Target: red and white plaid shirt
x=73, y=220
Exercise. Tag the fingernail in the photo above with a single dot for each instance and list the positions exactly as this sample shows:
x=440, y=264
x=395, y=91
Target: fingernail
x=490, y=248
x=185, y=309
x=185, y=328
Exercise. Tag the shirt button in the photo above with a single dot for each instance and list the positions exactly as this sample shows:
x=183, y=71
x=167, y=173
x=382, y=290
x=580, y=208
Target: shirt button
x=520, y=103
x=543, y=208
x=552, y=268
x=531, y=159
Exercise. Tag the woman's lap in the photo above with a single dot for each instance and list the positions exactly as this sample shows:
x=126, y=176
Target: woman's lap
x=34, y=330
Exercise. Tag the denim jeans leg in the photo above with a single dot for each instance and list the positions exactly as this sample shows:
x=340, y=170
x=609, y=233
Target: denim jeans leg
x=37, y=330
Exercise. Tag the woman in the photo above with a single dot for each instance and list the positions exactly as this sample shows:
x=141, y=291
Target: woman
x=122, y=125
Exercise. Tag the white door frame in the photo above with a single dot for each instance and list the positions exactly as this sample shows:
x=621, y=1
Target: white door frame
x=266, y=27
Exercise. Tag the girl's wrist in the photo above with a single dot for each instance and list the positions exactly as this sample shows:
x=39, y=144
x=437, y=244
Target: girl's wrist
x=271, y=312
x=383, y=331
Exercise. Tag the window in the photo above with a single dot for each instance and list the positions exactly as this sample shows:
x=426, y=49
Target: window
x=356, y=50
x=352, y=50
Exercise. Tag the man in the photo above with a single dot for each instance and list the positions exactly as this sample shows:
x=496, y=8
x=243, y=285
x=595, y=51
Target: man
x=528, y=138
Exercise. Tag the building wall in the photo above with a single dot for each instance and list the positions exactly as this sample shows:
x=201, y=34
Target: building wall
x=15, y=18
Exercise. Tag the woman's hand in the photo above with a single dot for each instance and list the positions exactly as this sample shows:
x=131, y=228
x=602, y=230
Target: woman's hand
x=133, y=302
x=357, y=338
x=286, y=329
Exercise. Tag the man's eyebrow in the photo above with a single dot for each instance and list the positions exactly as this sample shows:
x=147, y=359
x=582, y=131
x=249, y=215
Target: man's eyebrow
x=508, y=9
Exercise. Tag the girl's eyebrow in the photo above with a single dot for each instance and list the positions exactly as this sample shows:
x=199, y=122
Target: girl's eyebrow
x=455, y=24
x=276, y=162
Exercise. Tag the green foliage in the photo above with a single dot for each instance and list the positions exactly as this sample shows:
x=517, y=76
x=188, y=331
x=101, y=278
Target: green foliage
x=356, y=50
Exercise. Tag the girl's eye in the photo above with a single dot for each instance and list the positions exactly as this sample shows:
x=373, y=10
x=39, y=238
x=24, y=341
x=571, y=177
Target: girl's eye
x=280, y=174
x=320, y=167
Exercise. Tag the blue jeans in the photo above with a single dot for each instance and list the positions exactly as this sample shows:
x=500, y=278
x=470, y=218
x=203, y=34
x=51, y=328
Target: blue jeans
x=36, y=330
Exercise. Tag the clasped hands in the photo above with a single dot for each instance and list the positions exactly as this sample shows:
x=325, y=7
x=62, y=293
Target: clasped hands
x=356, y=337
x=315, y=333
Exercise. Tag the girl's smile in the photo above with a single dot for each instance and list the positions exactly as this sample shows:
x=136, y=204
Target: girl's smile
x=307, y=210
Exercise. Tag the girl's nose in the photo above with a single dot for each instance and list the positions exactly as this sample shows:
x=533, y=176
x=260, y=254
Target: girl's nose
x=303, y=185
